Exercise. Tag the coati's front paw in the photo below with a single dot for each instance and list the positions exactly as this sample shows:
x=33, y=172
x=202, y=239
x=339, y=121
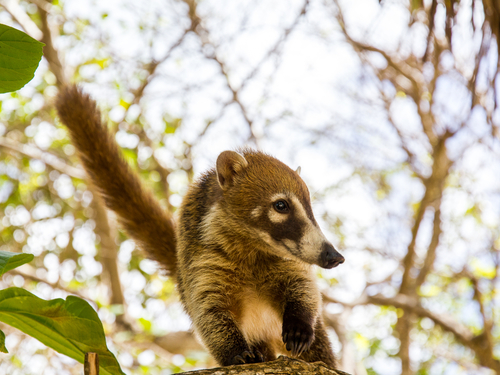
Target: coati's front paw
x=298, y=335
x=247, y=357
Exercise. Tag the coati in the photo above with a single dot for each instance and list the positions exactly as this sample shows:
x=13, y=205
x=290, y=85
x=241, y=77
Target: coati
x=241, y=251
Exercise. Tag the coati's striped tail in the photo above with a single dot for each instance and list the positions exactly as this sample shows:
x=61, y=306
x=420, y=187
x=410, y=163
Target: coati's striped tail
x=139, y=212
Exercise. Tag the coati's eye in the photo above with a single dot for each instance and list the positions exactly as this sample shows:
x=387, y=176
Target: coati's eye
x=281, y=206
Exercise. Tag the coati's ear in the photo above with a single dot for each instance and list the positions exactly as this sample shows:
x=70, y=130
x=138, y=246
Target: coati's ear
x=229, y=164
x=298, y=170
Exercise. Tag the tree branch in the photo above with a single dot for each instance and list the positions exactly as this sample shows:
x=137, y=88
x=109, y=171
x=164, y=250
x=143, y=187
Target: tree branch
x=431, y=251
x=411, y=303
x=348, y=359
x=434, y=187
x=49, y=51
x=18, y=14
x=432, y=15
x=56, y=286
x=203, y=34
x=411, y=156
x=276, y=46
x=402, y=68
x=48, y=158
x=487, y=341
x=283, y=365
x=152, y=67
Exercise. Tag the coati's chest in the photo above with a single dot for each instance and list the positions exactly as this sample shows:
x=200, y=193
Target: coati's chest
x=260, y=320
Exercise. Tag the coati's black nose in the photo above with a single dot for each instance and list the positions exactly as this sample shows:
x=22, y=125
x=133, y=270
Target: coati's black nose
x=330, y=257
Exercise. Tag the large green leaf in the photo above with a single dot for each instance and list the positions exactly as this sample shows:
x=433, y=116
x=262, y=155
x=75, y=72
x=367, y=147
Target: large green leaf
x=19, y=58
x=10, y=260
x=69, y=326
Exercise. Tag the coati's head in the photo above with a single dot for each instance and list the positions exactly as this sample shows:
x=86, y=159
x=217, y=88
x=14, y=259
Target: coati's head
x=272, y=200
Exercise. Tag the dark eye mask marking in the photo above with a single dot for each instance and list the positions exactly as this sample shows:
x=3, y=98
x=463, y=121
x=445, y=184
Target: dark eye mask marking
x=292, y=229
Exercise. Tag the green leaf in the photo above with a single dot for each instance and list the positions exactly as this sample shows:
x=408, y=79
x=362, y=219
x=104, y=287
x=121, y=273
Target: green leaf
x=19, y=58
x=3, y=349
x=69, y=326
x=9, y=261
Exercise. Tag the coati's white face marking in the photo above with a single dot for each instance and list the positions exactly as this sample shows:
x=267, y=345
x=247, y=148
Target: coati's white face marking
x=256, y=212
x=276, y=217
x=312, y=238
x=277, y=249
x=298, y=234
x=290, y=244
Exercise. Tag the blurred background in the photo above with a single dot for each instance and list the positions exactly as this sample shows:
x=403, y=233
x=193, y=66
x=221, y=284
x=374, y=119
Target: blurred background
x=391, y=108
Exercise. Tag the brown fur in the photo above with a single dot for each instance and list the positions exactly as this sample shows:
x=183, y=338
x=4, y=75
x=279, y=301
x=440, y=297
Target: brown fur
x=243, y=273
x=138, y=211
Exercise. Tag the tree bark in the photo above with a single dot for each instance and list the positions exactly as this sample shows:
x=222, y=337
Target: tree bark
x=283, y=365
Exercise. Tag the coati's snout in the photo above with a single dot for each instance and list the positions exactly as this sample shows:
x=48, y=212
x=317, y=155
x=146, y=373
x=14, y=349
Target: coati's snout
x=329, y=257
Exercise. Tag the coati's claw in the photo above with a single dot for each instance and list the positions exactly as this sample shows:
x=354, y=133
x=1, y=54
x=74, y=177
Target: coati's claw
x=302, y=346
x=297, y=336
x=237, y=360
x=258, y=356
x=245, y=357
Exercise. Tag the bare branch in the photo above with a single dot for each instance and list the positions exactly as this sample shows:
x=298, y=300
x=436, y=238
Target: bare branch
x=432, y=15
x=492, y=15
x=152, y=67
x=49, y=51
x=197, y=27
x=434, y=187
x=276, y=46
x=403, y=328
x=411, y=303
x=108, y=255
x=348, y=360
x=20, y=16
x=488, y=341
x=57, y=285
x=42, y=4
x=483, y=50
x=180, y=342
x=411, y=157
x=431, y=251
x=412, y=74
x=445, y=321
x=48, y=158
x=202, y=32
